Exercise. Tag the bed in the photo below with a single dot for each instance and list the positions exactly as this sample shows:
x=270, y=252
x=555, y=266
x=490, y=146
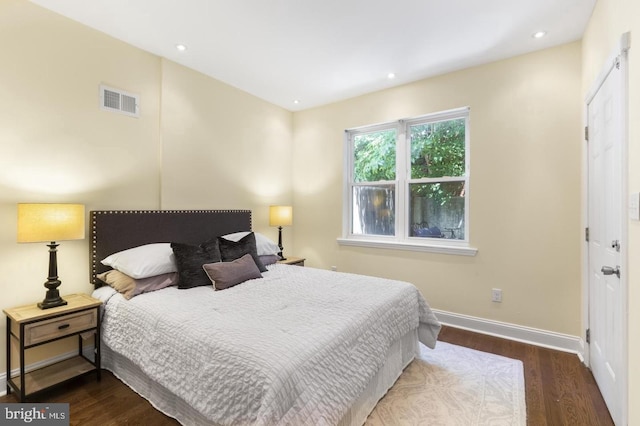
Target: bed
x=297, y=345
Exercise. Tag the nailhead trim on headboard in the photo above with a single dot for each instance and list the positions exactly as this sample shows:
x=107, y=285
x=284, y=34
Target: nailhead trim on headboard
x=243, y=216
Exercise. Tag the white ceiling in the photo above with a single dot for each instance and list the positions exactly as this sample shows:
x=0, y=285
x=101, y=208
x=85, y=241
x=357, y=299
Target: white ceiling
x=322, y=51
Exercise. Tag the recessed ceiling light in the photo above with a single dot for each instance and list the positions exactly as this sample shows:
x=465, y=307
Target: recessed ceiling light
x=391, y=76
x=181, y=47
x=296, y=101
x=539, y=34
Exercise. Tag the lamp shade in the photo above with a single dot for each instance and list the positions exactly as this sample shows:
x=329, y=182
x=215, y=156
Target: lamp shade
x=280, y=215
x=50, y=222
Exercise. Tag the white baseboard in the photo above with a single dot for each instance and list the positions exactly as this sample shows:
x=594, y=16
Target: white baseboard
x=532, y=336
x=86, y=350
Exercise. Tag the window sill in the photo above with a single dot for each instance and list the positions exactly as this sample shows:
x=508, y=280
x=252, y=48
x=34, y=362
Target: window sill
x=394, y=245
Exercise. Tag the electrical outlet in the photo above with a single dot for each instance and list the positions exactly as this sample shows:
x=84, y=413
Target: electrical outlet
x=496, y=295
x=334, y=268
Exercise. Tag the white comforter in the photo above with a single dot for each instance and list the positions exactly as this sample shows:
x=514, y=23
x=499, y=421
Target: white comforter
x=295, y=347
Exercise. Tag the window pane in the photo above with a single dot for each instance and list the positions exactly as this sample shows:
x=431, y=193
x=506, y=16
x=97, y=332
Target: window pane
x=374, y=210
x=437, y=149
x=374, y=156
x=437, y=210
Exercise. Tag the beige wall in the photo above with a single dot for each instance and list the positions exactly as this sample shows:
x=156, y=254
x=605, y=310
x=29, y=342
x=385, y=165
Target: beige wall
x=612, y=18
x=222, y=148
x=56, y=145
x=526, y=117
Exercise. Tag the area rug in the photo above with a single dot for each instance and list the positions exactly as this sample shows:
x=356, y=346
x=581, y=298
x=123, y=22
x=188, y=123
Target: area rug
x=453, y=385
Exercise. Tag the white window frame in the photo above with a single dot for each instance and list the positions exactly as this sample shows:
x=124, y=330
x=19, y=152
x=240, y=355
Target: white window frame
x=402, y=241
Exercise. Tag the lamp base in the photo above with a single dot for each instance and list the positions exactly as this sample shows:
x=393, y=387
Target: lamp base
x=47, y=304
x=280, y=243
x=52, y=297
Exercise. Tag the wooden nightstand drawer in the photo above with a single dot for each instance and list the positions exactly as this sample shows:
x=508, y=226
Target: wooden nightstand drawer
x=47, y=330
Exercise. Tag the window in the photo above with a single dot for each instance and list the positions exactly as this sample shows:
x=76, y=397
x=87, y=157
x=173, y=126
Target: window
x=407, y=183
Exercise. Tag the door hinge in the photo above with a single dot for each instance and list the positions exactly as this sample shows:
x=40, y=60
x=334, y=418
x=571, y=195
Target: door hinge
x=586, y=133
x=588, y=335
x=586, y=234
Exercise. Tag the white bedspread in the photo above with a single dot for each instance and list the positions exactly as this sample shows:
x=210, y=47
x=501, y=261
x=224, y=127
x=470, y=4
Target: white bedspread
x=295, y=347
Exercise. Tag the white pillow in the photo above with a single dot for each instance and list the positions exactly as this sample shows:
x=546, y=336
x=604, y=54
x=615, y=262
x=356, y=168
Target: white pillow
x=143, y=261
x=263, y=244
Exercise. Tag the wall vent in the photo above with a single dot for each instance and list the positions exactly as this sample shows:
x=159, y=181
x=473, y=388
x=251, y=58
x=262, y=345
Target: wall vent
x=117, y=100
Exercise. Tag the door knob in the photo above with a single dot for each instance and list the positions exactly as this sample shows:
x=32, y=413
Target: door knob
x=608, y=270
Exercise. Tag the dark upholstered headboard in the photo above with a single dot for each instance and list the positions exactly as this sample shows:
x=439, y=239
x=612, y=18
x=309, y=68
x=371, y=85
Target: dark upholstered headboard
x=116, y=230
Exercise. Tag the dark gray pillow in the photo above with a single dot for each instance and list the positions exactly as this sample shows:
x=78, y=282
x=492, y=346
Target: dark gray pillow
x=227, y=274
x=232, y=250
x=189, y=260
x=268, y=259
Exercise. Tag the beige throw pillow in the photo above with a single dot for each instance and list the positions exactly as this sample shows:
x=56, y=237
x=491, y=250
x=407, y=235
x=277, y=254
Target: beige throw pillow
x=130, y=287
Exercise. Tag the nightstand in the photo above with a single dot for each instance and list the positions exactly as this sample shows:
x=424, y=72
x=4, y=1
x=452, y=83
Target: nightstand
x=29, y=326
x=297, y=261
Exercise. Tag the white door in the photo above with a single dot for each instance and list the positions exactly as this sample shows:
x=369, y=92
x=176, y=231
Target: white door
x=606, y=298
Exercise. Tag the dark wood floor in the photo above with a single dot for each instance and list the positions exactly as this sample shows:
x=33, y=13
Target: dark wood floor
x=559, y=389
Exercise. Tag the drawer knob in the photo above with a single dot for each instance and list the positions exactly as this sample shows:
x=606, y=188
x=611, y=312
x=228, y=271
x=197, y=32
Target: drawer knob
x=63, y=326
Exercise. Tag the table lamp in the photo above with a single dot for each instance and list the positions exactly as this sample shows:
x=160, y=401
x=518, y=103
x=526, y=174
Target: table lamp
x=280, y=216
x=50, y=223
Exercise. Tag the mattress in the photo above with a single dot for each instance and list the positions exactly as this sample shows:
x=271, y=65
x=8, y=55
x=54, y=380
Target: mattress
x=298, y=346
